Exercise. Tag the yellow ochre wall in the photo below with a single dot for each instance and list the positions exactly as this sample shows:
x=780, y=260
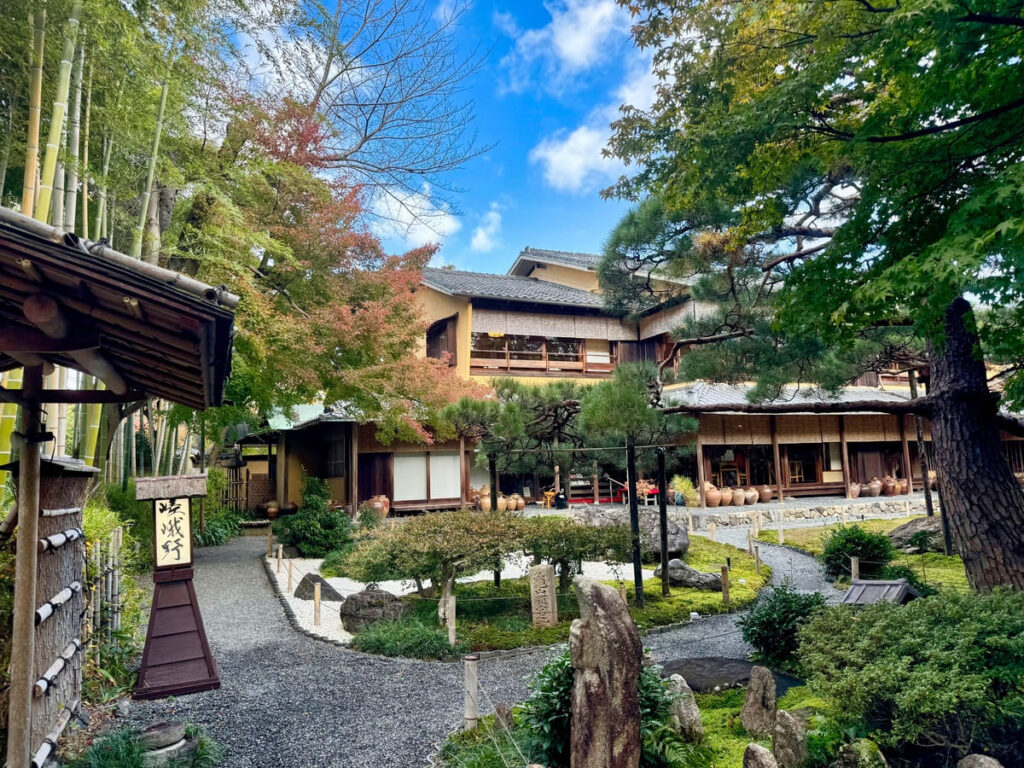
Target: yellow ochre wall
x=583, y=279
x=438, y=306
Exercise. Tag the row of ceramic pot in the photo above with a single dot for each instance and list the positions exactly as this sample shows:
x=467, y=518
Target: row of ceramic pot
x=887, y=486
x=505, y=503
x=736, y=497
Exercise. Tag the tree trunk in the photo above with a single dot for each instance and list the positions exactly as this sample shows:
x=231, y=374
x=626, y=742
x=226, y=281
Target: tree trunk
x=983, y=500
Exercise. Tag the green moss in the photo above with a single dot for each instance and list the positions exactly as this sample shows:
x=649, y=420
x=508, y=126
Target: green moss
x=723, y=732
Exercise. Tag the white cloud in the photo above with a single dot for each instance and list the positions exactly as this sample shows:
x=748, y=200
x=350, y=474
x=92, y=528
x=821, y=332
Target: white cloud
x=572, y=161
x=488, y=231
x=578, y=37
x=413, y=218
x=448, y=10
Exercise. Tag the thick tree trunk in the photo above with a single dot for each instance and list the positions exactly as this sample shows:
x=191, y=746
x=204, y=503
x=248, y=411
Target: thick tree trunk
x=983, y=499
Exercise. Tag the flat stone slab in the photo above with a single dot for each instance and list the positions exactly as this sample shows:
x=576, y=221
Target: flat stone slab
x=328, y=594
x=705, y=674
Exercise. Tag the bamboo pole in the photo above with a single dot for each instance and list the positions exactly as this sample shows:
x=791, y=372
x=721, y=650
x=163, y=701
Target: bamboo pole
x=74, y=140
x=471, y=691
x=60, y=107
x=316, y=600
x=290, y=576
x=280, y=556
x=35, y=108
x=450, y=618
x=854, y=567
x=270, y=543
x=711, y=529
x=85, y=156
x=22, y=666
x=757, y=559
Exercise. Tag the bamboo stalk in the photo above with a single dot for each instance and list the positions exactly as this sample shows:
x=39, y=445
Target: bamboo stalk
x=60, y=106
x=85, y=156
x=35, y=109
x=5, y=158
x=74, y=140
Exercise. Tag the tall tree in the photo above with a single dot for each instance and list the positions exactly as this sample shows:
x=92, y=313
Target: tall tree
x=867, y=157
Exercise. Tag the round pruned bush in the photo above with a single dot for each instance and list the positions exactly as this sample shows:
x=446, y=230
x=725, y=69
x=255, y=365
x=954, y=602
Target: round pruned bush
x=774, y=621
x=875, y=551
x=930, y=681
x=565, y=543
x=316, y=528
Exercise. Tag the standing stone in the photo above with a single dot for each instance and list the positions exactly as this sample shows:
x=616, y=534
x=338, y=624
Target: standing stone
x=605, y=651
x=979, y=761
x=756, y=756
x=789, y=741
x=543, y=596
x=684, y=711
x=758, y=715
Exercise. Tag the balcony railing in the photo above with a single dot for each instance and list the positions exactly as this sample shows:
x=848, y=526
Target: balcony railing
x=485, y=361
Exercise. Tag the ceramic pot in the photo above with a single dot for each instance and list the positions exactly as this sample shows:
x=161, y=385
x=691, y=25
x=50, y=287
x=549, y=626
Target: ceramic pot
x=520, y=503
x=726, y=496
x=485, y=503
x=502, y=504
x=290, y=508
x=854, y=490
x=378, y=506
x=888, y=486
x=739, y=497
x=712, y=496
x=904, y=485
x=272, y=510
x=764, y=494
x=874, y=488
x=751, y=495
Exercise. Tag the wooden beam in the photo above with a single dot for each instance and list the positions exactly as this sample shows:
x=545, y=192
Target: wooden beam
x=921, y=405
x=906, y=455
x=11, y=396
x=26, y=340
x=777, y=456
x=75, y=396
x=845, y=455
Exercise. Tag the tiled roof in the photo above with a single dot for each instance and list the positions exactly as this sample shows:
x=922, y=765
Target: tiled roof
x=300, y=416
x=706, y=393
x=862, y=592
x=569, y=258
x=508, y=287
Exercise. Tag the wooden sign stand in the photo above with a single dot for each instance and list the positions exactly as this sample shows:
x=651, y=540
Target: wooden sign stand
x=176, y=659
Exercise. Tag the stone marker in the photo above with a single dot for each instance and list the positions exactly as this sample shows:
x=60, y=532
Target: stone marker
x=606, y=653
x=789, y=741
x=364, y=608
x=543, y=595
x=756, y=756
x=503, y=716
x=165, y=743
x=682, y=575
x=758, y=715
x=979, y=761
x=306, y=587
x=684, y=712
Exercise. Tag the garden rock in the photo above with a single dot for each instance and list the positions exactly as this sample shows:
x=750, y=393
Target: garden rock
x=900, y=537
x=862, y=753
x=650, y=527
x=684, y=710
x=328, y=594
x=174, y=754
x=979, y=761
x=362, y=609
x=682, y=575
x=756, y=756
x=160, y=735
x=758, y=715
x=605, y=652
x=789, y=741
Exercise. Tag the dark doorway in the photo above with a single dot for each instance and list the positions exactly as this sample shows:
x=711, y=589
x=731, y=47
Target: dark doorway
x=374, y=475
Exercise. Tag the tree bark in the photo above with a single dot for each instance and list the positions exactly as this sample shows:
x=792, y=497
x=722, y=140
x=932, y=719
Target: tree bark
x=983, y=500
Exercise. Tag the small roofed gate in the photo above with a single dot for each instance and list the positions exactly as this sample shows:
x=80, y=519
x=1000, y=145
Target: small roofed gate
x=143, y=332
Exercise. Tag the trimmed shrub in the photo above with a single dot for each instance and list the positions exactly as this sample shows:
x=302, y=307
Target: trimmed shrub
x=684, y=486
x=566, y=543
x=408, y=637
x=316, y=528
x=930, y=681
x=773, y=624
x=874, y=550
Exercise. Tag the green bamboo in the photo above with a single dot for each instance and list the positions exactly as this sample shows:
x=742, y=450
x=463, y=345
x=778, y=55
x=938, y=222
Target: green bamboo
x=71, y=187
x=60, y=107
x=8, y=420
x=35, y=101
x=8, y=139
x=101, y=207
x=85, y=157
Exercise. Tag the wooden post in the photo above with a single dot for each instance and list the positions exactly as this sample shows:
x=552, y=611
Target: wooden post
x=757, y=559
x=854, y=567
x=270, y=544
x=750, y=541
x=471, y=691
x=725, y=585
x=711, y=529
x=782, y=526
x=316, y=602
x=701, y=480
x=492, y=472
x=290, y=576
x=844, y=456
x=922, y=452
x=906, y=454
x=689, y=523
x=663, y=520
x=22, y=666
x=779, y=469
x=634, y=522
x=842, y=514
x=450, y=618
x=280, y=556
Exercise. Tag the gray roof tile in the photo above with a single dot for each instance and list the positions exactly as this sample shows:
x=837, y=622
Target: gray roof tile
x=569, y=258
x=508, y=288
x=707, y=393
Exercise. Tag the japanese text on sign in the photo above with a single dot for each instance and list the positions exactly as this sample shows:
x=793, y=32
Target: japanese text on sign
x=173, y=532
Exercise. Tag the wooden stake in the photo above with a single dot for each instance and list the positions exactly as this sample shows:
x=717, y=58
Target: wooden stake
x=290, y=576
x=270, y=544
x=854, y=567
x=725, y=585
x=782, y=530
x=450, y=618
x=471, y=691
x=750, y=541
x=757, y=559
x=316, y=603
x=711, y=529
x=280, y=556
x=689, y=523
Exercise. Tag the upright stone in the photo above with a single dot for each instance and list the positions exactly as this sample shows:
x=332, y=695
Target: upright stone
x=543, y=595
x=789, y=741
x=979, y=761
x=684, y=712
x=756, y=756
x=758, y=715
x=605, y=651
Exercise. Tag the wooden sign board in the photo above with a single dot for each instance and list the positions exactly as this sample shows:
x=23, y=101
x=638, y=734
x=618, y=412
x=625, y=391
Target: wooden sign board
x=177, y=658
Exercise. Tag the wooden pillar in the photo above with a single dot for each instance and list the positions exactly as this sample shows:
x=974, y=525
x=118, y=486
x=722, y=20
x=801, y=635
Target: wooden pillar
x=700, y=468
x=845, y=455
x=463, y=471
x=19, y=721
x=779, y=469
x=907, y=473
x=353, y=483
x=922, y=453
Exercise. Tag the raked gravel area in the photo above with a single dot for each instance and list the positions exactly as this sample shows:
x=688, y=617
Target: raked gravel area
x=292, y=701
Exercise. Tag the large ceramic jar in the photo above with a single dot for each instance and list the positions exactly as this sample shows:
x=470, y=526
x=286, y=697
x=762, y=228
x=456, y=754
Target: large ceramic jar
x=889, y=486
x=874, y=488
x=854, y=490
x=751, y=495
x=520, y=503
x=502, y=504
x=739, y=497
x=764, y=493
x=485, y=503
x=726, y=496
x=712, y=496
x=904, y=485
x=272, y=510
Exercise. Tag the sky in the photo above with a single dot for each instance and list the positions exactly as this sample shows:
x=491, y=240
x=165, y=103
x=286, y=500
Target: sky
x=554, y=76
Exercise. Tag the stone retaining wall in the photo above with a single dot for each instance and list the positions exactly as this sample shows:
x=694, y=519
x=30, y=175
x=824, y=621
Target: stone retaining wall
x=876, y=507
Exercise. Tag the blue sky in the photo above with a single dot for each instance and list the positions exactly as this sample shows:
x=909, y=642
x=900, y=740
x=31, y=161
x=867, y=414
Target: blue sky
x=553, y=80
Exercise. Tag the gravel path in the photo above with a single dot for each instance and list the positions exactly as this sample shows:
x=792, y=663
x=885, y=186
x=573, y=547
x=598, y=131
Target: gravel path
x=289, y=700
